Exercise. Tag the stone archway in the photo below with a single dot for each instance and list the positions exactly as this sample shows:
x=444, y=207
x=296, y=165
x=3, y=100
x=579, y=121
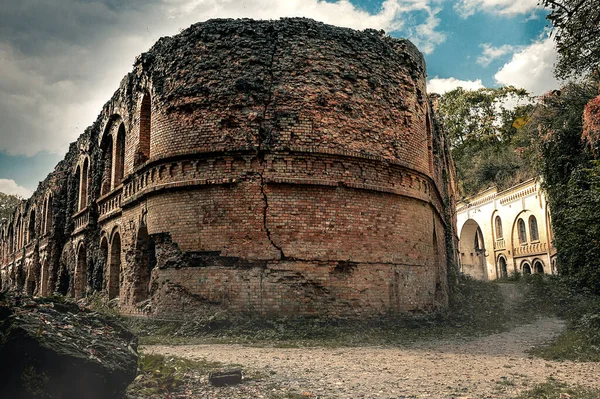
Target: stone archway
x=502, y=266
x=44, y=278
x=526, y=268
x=104, y=261
x=538, y=266
x=114, y=267
x=472, y=251
x=80, y=273
x=145, y=260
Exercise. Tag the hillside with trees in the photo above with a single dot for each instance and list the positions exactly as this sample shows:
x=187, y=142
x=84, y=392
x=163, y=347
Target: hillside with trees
x=485, y=131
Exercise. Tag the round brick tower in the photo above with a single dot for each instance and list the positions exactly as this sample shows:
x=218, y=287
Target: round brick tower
x=273, y=167
x=306, y=151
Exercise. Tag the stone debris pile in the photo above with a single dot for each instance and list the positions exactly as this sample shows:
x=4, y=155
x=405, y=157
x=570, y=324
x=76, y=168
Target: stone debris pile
x=52, y=348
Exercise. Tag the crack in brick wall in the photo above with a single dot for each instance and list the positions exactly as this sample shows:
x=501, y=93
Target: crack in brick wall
x=291, y=171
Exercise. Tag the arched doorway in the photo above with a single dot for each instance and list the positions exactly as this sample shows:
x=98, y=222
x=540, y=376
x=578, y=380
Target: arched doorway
x=502, y=267
x=114, y=269
x=538, y=267
x=526, y=268
x=145, y=260
x=472, y=251
x=80, y=273
x=44, y=277
x=104, y=260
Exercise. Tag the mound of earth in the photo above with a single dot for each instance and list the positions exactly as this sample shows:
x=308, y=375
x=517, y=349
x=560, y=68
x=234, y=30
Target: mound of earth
x=51, y=348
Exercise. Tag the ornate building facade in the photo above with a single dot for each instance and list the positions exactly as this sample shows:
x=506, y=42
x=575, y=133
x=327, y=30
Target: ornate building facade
x=506, y=232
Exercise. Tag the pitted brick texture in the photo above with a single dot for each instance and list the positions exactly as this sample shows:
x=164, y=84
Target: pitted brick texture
x=293, y=168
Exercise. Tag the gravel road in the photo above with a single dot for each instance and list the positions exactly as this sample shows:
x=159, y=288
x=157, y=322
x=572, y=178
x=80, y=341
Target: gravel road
x=495, y=366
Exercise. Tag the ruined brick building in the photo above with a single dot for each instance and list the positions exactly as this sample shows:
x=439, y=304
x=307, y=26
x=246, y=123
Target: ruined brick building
x=273, y=167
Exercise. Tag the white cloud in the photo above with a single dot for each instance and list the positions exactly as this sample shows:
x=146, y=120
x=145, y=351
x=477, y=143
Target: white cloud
x=466, y=8
x=531, y=68
x=8, y=186
x=443, y=85
x=56, y=73
x=392, y=17
x=491, y=53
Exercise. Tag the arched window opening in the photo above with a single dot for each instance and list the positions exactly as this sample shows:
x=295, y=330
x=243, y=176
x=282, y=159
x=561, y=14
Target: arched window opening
x=83, y=196
x=80, y=273
x=538, y=267
x=114, y=270
x=11, y=239
x=49, y=215
x=31, y=232
x=78, y=188
x=526, y=268
x=119, y=156
x=145, y=260
x=522, y=232
x=498, y=228
x=145, y=127
x=107, y=156
x=19, y=232
x=533, y=229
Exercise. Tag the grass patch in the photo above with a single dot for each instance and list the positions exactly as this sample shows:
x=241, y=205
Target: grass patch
x=159, y=375
x=560, y=297
x=475, y=309
x=557, y=390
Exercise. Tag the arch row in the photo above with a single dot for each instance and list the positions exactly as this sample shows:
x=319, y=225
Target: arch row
x=32, y=221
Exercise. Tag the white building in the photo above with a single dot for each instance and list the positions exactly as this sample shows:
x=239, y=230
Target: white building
x=507, y=231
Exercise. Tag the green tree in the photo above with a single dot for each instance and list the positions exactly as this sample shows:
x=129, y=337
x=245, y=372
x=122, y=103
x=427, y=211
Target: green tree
x=577, y=35
x=571, y=177
x=8, y=203
x=484, y=137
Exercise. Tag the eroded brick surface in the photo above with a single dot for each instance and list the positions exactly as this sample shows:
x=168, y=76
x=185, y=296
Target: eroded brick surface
x=276, y=167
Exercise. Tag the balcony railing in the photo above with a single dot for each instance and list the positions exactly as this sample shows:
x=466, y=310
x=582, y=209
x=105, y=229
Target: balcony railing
x=499, y=244
x=81, y=219
x=110, y=203
x=533, y=248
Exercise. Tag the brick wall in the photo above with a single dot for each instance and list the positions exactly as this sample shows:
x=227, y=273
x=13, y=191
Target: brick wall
x=280, y=167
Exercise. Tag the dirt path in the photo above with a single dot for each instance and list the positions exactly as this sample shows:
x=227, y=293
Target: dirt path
x=495, y=366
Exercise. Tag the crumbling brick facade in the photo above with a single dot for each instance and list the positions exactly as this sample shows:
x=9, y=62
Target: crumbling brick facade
x=272, y=167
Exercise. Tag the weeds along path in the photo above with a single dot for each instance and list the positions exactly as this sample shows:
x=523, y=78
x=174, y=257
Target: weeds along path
x=495, y=366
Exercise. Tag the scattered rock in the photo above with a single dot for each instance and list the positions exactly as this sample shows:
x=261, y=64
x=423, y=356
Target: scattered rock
x=228, y=377
x=51, y=348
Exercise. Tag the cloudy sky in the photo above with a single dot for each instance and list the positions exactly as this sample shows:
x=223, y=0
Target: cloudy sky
x=61, y=60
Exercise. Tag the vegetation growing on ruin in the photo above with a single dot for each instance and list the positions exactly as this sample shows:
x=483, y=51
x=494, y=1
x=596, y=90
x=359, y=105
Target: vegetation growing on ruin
x=475, y=309
x=8, y=203
x=159, y=375
x=162, y=377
